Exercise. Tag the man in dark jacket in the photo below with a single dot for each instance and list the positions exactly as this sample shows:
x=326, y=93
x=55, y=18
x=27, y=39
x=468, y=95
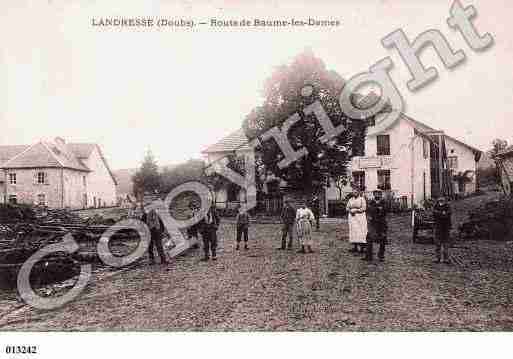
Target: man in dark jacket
x=315, y=206
x=377, y=226
x=208, y=228
x=288, y=216
x=242, y=220
x=442, y=218
x=157, y=231
x=193, y=231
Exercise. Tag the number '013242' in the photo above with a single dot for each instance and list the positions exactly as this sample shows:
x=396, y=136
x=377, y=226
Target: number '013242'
x=21, y=349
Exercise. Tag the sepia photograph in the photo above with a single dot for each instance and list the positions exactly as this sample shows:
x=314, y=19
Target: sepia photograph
x=255, y=174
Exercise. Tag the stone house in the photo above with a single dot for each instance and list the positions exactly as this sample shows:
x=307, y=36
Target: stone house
x=56, y=174
x=409, y=160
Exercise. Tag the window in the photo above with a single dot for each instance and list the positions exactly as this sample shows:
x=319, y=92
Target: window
x=383, y=145
x=12, y=178
x=232, y=193
x=41, y=178
x=425, y=148
x=273, y=187
x=359, y=179
x=452, y=162
x=384, y=183
x=13, y=199
x=41, y=199
x=84, y=180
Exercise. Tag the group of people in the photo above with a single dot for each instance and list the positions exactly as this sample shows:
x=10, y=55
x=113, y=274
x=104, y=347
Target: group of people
x=368, y=225
x=206, y=227
x=367, y=221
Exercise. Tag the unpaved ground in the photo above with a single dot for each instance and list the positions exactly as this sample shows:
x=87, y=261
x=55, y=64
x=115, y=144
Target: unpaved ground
x=266, y=289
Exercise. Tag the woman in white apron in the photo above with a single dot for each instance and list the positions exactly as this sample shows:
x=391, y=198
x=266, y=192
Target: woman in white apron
x=357, y=219
x=304, y=220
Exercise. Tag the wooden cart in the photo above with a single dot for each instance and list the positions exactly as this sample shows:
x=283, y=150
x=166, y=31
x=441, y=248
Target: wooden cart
x=422, y=220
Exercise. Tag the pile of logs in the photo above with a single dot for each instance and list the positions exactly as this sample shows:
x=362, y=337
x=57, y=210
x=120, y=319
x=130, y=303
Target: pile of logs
x=23, y=232
x=24, y=241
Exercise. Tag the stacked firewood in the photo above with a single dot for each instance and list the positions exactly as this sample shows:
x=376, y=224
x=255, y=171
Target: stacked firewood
x=24, y=231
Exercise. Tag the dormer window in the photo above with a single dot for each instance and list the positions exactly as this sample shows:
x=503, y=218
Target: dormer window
x=56, y=151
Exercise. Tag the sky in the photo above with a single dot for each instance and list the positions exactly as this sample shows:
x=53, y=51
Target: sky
x=177, y=90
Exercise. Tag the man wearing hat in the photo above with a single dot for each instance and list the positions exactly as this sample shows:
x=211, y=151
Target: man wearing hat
x=288, y=217
x=442, y=217
x=377, y=226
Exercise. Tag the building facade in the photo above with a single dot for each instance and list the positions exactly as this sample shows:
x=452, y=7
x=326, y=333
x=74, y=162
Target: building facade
x=413, y=162
x=56, y=174
x=409, y=160
x=504, y=162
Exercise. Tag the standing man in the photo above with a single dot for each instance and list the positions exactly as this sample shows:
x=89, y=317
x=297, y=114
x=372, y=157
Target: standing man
x=316, y=209
x=377, y=226
x=242, y=227
x=209, y=226
x=288, y=217
x=442, y=217
x=193, y=231
x=157, y=231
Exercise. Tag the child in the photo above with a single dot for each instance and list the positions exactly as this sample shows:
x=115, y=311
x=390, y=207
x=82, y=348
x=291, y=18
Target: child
x=304, y=220
x=242, y=227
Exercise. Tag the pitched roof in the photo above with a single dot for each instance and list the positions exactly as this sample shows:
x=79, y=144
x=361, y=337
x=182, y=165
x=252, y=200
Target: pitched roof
x=107, y=165
x=422, y=128
x=236, y=140
x=65, y=156
x=57, y=154
x=44, y=154
x=8, y=152
x=82, y=150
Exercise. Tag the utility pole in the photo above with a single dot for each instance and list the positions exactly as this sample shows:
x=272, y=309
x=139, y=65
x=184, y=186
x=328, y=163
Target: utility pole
x=440, y=165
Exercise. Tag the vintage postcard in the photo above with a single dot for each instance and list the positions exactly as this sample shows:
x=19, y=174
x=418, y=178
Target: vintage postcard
x=173, y=166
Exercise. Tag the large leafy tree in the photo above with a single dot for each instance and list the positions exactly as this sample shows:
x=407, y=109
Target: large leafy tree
x=498, y=145
x=147, y=178
x=188, y=171
x=284, y=96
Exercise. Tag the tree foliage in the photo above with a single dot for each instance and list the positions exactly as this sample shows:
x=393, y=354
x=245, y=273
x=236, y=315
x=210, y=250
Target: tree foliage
x=498, y=145
x=147, y=177
x=282, y=98
x=171, y=177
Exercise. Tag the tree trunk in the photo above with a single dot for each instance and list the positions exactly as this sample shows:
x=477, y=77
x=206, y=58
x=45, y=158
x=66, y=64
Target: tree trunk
x=307, y=176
